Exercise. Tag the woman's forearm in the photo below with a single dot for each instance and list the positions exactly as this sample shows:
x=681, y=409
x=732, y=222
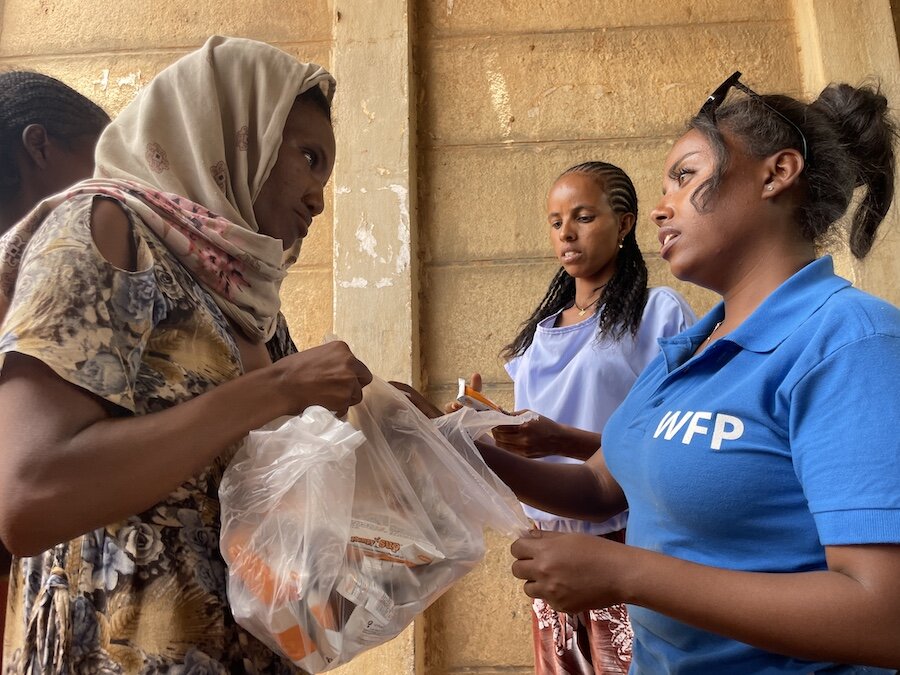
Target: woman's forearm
x=59, y=485
x=576, y=443
x=569, y=490
x=62, y=448
x=850, y=617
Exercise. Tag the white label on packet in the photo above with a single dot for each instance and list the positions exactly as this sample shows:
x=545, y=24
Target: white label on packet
x=361, y=589
x=391, y=544
x=364, y=628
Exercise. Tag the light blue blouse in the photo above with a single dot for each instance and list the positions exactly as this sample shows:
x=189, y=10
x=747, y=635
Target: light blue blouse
x=566, y=374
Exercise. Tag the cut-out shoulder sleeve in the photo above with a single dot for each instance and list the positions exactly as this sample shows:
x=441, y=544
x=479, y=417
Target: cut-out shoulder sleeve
x=112, y=232
x=79, y=314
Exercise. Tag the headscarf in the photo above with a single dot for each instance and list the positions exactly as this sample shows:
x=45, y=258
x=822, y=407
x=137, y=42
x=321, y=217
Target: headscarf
x=190, y=154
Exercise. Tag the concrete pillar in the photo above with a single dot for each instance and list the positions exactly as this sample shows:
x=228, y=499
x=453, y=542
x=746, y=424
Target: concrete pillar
x=375, y=269
x=374, y=188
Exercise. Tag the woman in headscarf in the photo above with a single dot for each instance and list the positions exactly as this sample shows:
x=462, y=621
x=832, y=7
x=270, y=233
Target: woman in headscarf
x=141, y=339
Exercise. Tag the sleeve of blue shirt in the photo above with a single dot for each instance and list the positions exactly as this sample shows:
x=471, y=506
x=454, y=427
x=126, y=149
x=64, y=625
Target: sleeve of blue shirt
x=845, y=443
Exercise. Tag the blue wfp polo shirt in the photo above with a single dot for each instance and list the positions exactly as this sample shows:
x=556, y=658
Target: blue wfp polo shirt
x=778, y=439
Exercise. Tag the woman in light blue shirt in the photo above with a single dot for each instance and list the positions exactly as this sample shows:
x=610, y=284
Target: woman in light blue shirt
x=573, y=362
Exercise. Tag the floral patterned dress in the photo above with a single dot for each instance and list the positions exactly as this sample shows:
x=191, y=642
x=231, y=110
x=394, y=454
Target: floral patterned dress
x=145, y=595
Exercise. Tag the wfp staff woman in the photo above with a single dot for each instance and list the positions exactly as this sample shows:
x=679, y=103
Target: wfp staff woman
x=141, y=339
x=758, y=453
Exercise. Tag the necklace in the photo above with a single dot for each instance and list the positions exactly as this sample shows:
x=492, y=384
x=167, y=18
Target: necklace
x=715, y=328
x=583, y=310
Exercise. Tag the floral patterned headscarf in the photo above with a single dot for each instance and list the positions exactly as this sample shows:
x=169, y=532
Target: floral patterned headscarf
x=190, y=154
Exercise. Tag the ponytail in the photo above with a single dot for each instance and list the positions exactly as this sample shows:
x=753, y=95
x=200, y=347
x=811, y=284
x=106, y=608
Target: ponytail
x=864, y=129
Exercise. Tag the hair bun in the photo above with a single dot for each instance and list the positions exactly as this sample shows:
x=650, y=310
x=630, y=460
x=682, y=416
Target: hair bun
x=861, y=119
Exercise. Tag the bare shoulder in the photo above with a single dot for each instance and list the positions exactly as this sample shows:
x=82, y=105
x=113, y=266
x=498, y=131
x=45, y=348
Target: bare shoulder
x=112, y=232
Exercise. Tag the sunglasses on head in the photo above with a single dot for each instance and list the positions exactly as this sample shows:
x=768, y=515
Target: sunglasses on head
x=715, y=99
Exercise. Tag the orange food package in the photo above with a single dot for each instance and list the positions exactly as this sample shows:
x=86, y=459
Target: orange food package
x=278, y=595
x=472, y=398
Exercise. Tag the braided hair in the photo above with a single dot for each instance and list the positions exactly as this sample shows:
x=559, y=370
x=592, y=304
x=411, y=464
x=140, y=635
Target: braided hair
x=623, y=298
x=32, y=98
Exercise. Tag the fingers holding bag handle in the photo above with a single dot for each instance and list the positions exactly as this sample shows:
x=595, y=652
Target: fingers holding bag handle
x=328, y=375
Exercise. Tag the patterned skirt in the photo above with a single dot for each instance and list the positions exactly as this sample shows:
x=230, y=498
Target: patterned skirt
x=595, y=642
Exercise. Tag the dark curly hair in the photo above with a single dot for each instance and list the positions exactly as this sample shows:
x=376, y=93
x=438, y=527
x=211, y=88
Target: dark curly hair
x=850, y=138
x=624, y=297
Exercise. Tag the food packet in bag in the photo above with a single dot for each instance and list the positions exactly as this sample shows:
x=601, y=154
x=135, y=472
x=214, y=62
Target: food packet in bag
x=336, y=534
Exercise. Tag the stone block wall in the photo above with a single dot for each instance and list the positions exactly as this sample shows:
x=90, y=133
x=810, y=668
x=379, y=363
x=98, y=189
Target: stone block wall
x=511, y=94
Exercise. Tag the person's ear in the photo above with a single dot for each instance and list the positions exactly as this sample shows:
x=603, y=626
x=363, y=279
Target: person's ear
x=782, y=171
x=626, y=225
x=37, y=144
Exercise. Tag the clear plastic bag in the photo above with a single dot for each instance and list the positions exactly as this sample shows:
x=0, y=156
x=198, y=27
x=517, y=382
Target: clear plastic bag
x=337, y=534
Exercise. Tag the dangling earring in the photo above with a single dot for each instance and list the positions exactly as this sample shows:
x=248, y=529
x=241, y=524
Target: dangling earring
x=621, y=244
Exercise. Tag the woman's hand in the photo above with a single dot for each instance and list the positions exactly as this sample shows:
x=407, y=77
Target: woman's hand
x=845, y=614
x=328, y=375
x=542, y=437
x=535, y=438
x=572, y=572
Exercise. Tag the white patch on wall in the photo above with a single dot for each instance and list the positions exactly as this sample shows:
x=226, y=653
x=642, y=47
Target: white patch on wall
x=132, y=80
x=365, y=235
x=499, y=96
x=342, y=190
x=367, y=112
x=103, y=81
x=403, y=228
x=355, y=282
x=449, y=7
x=383, y=283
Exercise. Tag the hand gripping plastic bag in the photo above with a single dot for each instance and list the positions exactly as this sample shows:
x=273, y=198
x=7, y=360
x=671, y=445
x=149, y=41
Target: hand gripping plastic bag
x=336, y=534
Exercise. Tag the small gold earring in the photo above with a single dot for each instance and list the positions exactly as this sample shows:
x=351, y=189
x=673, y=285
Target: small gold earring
x=621, y=244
